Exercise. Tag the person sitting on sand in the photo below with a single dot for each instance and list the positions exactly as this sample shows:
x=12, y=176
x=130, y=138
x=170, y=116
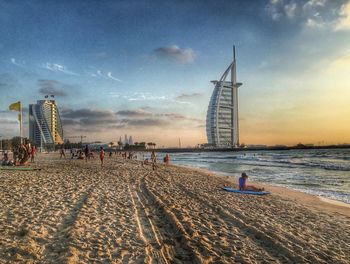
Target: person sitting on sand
x=80, y=155
x=5, y=160
x=243, y=184
x=167, y=159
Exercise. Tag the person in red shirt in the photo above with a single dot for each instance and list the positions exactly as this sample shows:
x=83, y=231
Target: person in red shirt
x=32, y=153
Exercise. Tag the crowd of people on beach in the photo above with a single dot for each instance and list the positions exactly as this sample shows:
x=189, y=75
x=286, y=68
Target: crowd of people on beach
x=86, y=153
x=21, y=154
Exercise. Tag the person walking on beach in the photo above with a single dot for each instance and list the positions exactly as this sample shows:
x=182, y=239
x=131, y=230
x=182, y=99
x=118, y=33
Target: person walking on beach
x=102, y=155
x=32, y=153
x=86, y=152
x=62, y=154
x=243, y=184
x=154, y=160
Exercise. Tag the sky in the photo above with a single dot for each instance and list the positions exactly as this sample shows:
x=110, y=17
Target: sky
x=143, y=68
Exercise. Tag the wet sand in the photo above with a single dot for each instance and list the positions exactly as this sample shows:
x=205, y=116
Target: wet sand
x=76, y=212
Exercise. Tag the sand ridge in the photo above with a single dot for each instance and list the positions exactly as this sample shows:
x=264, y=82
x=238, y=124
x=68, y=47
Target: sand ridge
x=76, y=212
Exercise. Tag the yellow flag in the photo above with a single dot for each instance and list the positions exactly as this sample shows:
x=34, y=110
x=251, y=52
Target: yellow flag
x=15, y=106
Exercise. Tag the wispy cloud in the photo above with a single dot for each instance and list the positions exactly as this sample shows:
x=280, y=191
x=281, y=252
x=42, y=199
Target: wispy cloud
x=138, y=96
x=109, y=74
x=106, y=76
x=17, y=63
x=57, y=68
x=176, y=53
x=185, y=96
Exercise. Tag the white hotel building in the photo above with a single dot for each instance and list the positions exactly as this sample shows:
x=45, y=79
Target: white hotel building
x=222, y=115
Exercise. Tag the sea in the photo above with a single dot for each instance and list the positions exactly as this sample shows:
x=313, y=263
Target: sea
x=321, y=172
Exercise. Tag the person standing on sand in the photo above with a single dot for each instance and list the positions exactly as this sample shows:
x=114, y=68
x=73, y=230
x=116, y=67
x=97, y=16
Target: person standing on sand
x=244, y=187
x=102, y=155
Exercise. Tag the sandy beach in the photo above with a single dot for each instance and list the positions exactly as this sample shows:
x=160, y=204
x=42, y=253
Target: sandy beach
x=71, y=211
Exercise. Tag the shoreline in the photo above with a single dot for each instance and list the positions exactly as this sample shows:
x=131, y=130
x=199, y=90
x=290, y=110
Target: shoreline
x=313, y=201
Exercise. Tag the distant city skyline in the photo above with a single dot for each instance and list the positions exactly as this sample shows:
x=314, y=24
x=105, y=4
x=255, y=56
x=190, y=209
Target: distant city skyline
x=143, y=68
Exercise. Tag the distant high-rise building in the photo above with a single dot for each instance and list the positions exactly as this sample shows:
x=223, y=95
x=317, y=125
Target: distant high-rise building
x=45, y=126
x=126, y=141
x=131, y=142
x=222, y=114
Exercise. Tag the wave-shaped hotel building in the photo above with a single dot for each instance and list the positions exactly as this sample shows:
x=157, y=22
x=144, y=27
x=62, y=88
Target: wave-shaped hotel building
x=45, y=126
x=222, y=115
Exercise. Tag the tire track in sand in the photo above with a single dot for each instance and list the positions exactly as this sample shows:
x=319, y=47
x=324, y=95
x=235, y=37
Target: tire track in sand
x=164, y=240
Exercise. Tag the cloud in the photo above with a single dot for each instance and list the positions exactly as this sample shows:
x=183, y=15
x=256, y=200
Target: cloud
x=88, y=120
x=344, y=21
x=134, y=113
x=313, y=3
x=96, y=120
x=315, y=23
x=290, y=9
x=57, y=68
x=19, y=64
x=278, y=9
x=107, y=76
x=175, y=53
x=51, y=87
x=312, y=14
x=188, y=96
x=176, y=116
x=88, y=113
x=274, y=10
x=146, y=122
x=139, y=96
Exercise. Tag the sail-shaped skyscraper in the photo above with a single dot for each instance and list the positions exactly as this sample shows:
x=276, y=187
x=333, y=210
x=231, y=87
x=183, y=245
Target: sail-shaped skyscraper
x=222, y=115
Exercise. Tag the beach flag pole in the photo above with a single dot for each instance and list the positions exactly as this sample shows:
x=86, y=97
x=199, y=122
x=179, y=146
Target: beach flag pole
x=18, y=107
x=20, y=115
